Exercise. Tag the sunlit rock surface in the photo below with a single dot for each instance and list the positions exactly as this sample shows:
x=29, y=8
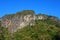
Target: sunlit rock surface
x=22, y=19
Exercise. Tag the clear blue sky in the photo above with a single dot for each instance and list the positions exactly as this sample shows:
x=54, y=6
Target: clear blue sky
x=49, y=7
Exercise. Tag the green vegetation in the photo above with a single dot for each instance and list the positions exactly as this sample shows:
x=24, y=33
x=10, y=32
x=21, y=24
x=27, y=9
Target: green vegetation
x=4, y=33
x=42, y=30
x=25, y=12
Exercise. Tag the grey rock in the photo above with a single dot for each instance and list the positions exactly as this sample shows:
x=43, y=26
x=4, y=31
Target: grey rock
x=16, y=22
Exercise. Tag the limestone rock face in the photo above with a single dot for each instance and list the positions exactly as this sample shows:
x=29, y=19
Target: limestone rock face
x=54, y=18
x=15, y=22
x=41, y=17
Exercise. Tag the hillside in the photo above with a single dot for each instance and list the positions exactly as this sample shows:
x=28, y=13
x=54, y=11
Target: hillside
x=26, y=25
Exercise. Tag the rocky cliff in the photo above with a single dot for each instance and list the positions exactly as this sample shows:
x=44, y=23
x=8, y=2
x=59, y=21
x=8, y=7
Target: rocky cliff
x=21, y=19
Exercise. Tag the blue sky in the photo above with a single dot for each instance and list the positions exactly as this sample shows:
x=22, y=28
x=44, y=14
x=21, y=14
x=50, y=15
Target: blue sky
x=49, y=7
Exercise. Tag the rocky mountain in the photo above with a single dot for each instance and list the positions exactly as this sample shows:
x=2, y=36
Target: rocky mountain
x=21, y=19
x=26, y=25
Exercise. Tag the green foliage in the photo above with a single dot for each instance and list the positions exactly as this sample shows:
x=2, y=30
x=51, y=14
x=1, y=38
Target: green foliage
x=40, y=31
x=25, y=12
x=4, y=33
x=9, y=16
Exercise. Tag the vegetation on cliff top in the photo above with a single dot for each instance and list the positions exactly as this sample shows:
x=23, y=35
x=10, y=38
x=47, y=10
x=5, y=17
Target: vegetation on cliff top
x=25, y=12
x=42, y=30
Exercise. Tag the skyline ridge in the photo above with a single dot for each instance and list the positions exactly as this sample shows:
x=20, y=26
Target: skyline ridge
x=49, y=7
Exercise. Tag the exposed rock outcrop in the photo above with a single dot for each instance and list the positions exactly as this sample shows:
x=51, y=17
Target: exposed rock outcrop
x=22, y=19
